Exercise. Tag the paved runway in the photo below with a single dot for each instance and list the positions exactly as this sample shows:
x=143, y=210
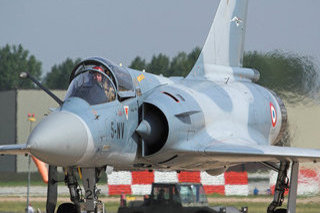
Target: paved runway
x=39, y=190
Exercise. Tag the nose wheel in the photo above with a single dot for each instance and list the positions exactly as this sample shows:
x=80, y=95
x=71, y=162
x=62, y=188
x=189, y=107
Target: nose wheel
x=67, y=207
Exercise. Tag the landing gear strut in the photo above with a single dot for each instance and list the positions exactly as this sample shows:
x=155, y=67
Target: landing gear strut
x=282, y=185
x=74, y=189
x=89, y=179
x=52, y=189
x=89, y=202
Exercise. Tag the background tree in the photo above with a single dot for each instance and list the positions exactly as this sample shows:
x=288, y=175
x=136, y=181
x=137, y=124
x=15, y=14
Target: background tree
x=58, y=77
x=179, y=65
x=138, y=64
x=158, y=65
x=193, y=56
x=13, y=61
x=183, y=63
x=291, y=76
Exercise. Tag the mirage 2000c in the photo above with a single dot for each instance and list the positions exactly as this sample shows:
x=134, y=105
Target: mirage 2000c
x=117, y=118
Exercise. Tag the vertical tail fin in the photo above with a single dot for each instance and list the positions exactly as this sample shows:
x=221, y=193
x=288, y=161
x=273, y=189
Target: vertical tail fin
x=224, y=44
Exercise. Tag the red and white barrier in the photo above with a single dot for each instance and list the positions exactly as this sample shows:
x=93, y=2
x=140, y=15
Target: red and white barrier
x=139, y=182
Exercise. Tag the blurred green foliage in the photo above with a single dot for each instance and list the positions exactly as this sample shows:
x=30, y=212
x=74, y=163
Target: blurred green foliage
x=59, y=76
x=289, y=75
x=180, y=65
x=159, y=64
x=14, y=60
x=138, y=63
x=292, y=76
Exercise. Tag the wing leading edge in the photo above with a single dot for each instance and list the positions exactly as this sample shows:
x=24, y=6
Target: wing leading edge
x=235, y=153
x=14, y=149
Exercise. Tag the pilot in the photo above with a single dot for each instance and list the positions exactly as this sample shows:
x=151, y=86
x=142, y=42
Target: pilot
x=106, y=84
x=92, y=87
x=96, y=93
x=98, y=76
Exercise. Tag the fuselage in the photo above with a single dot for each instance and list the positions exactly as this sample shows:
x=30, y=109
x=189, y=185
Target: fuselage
x=179, y=112
x=200, y=112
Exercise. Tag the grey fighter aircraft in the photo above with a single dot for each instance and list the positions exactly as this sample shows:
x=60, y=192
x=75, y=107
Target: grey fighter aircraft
x=118, y=118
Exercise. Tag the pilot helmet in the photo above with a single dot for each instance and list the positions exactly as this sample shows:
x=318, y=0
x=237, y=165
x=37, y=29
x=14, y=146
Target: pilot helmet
x=97, y=76
x=98, y=68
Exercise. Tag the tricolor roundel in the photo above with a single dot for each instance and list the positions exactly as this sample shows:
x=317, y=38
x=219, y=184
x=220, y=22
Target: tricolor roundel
x=273, y=113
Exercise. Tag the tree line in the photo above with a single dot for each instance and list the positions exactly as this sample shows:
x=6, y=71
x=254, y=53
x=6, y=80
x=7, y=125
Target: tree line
x=288, y=74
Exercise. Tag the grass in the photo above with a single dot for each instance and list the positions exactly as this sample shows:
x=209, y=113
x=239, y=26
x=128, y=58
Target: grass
x=258, y=207
x=15, y=207
x=112, y=206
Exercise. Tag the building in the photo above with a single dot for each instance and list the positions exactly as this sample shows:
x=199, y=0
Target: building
x=14, y=125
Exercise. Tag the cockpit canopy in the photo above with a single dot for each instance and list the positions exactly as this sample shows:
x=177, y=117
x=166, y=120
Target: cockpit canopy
x=98, y=81
x=92, y=86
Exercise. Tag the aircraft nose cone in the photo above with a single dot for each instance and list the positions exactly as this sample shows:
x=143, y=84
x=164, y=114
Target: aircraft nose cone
x=60, y=139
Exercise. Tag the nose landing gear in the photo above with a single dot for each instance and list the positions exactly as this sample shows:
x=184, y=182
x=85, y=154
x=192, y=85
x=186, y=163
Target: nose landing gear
x=89, y=202
x=89, y=179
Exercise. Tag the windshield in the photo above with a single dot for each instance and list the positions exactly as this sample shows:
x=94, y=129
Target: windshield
x=199, y=193
x=92, y=86
x=161, y=192
x=186, y=194
x=124, y=78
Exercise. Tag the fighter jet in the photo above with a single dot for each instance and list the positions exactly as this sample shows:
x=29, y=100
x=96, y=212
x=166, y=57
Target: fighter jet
x=117, y=118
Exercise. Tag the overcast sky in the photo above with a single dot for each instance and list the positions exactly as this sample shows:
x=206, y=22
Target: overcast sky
x=122, y=29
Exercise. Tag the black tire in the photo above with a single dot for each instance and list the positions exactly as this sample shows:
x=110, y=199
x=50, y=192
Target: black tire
x=281, y=210
x=67, y=208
